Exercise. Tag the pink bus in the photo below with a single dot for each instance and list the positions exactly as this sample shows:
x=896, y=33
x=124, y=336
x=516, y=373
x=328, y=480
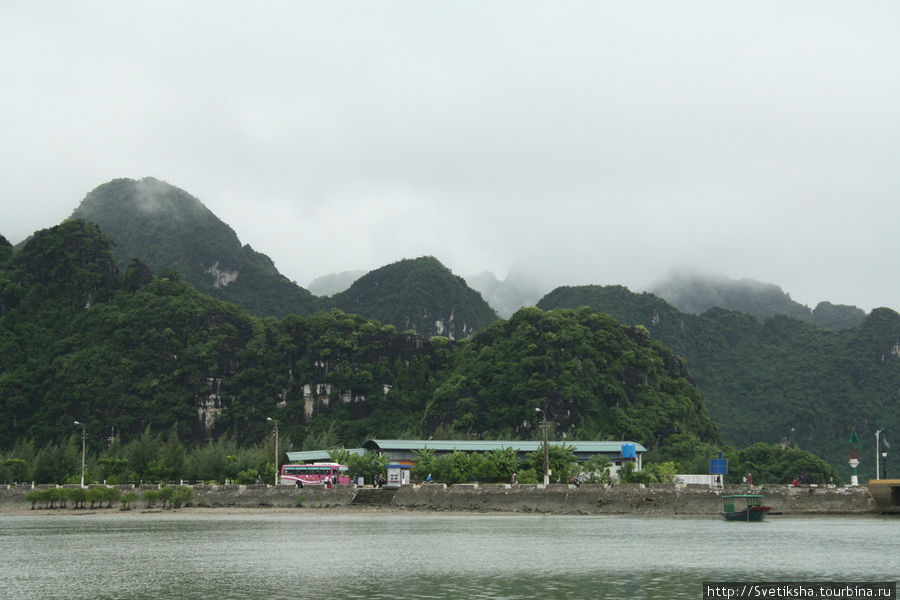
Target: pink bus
x=314, y=474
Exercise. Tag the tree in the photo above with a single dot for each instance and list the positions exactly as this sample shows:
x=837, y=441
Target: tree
x=596, y=469
x=165, y=494
x=13, y=470
x=151, y=497
x=77, y=496
x=182, y=496
x=128, y=499
x=426, y=464
x=505, y=462
x=562, y=460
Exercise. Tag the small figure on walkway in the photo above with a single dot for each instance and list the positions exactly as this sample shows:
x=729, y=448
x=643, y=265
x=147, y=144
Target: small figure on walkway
x=513, y=480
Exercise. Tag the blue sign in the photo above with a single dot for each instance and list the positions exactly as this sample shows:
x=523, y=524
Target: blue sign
x=718, y=466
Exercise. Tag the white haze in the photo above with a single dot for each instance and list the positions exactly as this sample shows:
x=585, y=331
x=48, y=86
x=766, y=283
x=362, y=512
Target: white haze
x=570, y=142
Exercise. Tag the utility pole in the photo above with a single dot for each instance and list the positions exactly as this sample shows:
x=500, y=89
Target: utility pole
x=275, y=433
x=878, y=453
x=83, y=439
x=546, y=447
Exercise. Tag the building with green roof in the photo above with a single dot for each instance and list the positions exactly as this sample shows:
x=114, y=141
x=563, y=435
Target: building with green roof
x=404, y=451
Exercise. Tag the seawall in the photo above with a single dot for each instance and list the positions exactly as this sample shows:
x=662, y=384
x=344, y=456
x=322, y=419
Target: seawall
x=655, y=499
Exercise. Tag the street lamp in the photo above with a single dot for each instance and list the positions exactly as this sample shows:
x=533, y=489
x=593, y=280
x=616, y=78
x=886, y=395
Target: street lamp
x=546, y=446
x=275, y=433
x=83, y=438
x=884, y=458
x=878, y=451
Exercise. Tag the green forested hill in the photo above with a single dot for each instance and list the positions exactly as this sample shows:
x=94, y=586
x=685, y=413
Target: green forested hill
x=598, y=379
x=779, y=380
x=6, y=249
x=165, y=227
x=124, y=352
x=421, y=295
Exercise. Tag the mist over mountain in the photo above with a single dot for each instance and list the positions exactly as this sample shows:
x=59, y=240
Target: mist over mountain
x=167, y=228
x=333, y=283
x=762, y=375
x=509, y=295
x=695, y=293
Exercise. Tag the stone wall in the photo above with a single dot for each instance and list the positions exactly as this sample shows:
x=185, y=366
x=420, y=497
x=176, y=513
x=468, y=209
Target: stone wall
x=656, y=499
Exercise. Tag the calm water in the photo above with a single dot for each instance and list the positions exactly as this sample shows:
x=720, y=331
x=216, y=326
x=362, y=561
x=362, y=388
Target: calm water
x=217, y=557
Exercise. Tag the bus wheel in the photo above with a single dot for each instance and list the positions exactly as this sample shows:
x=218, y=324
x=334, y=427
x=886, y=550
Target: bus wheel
x=299, y=484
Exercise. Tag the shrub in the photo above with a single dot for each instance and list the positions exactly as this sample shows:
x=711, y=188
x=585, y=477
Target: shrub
x=35, y=497
x=128, y=499
x=77, y=496
x=150, y=497
x=95, y=495
x=103, y=494
x=246, y=477
x=182, y=496
x=165, y=494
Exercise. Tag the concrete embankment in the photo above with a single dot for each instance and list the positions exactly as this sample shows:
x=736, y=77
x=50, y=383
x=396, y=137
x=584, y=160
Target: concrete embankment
x=656, y=499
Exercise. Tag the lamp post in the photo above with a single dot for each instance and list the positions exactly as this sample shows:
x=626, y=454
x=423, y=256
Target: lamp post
x=878, y=451
x=275, y=433
x=546, y=446
x=884, y=458
x=83, y=438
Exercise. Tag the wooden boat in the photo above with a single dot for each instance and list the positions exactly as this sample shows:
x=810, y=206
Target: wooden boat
x=744, y=507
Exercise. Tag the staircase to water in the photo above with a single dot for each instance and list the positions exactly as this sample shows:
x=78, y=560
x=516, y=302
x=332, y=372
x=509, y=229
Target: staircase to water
x=373, y=496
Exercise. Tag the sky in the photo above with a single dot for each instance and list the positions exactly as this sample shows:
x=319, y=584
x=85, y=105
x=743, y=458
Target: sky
x=567, y=142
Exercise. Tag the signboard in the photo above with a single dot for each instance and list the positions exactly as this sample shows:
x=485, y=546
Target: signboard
x=718, y=466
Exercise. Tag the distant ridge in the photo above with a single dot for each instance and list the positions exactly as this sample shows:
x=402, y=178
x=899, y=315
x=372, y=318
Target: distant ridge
x=696, y=293
x=333, y=283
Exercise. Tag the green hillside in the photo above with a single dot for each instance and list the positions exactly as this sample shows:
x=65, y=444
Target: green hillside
x=778, y=381
x=165, y=227
x=124, y=352
x=420, y=295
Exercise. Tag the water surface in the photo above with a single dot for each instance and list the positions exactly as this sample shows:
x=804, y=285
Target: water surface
x=389, y=555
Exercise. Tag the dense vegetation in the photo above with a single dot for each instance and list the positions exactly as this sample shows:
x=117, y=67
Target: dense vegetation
x=779, y=381
x=420, y=295
x=133, y=355
x=135, y=351
x=167, y=228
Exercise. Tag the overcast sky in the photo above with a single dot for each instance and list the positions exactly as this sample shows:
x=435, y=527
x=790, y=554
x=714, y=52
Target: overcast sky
x=575, y=142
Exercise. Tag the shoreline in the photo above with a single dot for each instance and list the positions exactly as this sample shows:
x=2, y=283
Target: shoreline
x=624, y=499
